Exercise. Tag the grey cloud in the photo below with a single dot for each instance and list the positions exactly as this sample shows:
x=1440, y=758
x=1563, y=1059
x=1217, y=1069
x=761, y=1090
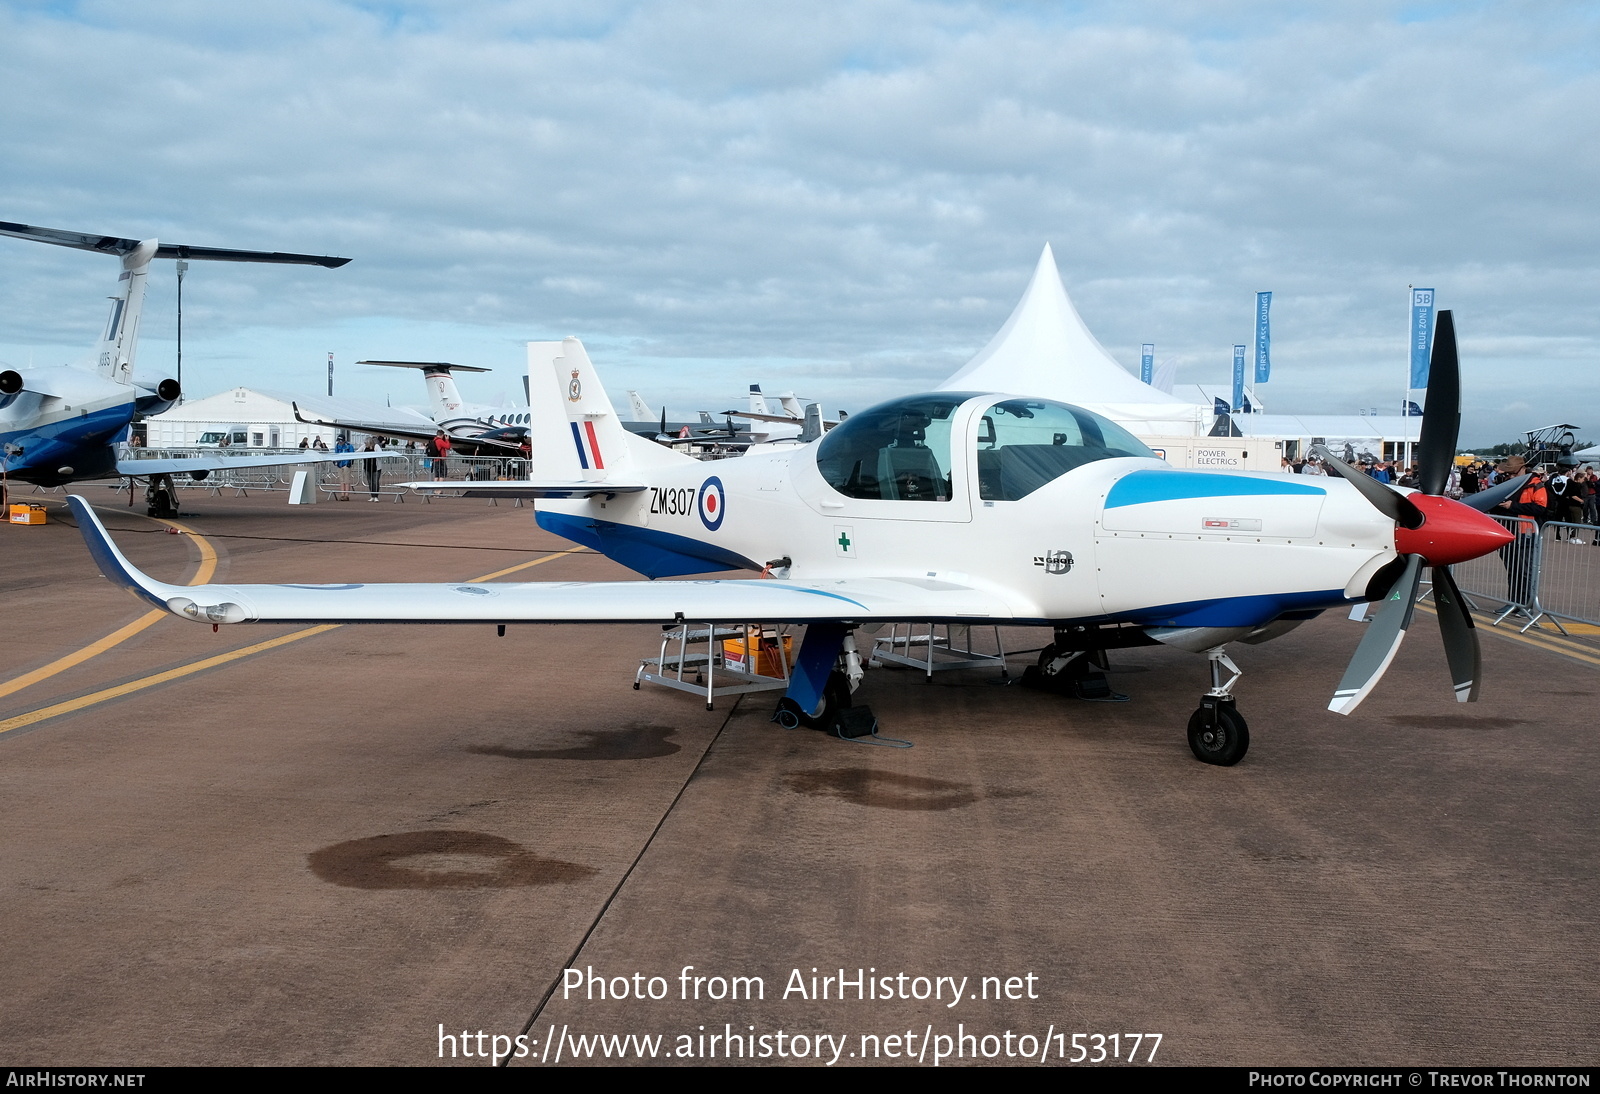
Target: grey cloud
x=853, y=191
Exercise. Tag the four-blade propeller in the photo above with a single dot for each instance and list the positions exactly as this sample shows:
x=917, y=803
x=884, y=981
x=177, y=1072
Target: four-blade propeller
x=1430, y=530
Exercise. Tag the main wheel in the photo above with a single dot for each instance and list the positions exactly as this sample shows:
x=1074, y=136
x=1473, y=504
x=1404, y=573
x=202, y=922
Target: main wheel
x=162, y=503
x=1218, y=735
x=788, y=715
x=835, y=697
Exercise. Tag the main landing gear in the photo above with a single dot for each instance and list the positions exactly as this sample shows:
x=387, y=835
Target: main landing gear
x=161, y=497
x=1218, y=733
x=825, y=674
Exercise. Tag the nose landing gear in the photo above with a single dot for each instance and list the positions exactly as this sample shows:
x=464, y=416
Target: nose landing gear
x=1218, y=733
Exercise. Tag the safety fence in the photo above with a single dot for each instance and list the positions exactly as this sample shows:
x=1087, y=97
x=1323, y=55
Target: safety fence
x=332, y=481
x=1553, y=572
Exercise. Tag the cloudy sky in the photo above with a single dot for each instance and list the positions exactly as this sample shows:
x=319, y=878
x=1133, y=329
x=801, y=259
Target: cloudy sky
x=845, y=200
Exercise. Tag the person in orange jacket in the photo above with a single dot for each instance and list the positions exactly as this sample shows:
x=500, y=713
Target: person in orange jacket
x=1528, y=512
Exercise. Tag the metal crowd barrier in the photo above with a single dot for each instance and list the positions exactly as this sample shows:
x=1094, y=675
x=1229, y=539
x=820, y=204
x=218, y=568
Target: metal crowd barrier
x=1568, y=585
x=1552, y=573
x=1507, y=578
x=400, y=466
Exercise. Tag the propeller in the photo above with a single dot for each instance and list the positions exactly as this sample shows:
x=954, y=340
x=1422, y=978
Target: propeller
x=1430, y=530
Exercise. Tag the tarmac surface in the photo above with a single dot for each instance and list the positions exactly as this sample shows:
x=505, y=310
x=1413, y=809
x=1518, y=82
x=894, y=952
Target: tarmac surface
x=366, y=845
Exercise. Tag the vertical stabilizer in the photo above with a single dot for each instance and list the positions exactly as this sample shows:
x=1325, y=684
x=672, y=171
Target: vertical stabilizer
x=115, y=352
x=758, y=401
x=444, y=398
x=639, y=408
x=791, y=405
x=813, y=428
x=575, y=431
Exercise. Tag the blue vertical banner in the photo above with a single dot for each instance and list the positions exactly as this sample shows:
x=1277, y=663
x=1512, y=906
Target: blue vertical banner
x=1263, y=337
x=1238, y=378
x=1421, y=336
x=1147, y=362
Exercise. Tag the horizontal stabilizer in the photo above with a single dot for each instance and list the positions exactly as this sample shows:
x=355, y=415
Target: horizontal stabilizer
x=428, y=366
x=114, y=245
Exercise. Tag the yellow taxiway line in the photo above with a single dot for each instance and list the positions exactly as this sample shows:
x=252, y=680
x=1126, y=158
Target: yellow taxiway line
x=69, y=706
x=203, y=574
x=1542, y=641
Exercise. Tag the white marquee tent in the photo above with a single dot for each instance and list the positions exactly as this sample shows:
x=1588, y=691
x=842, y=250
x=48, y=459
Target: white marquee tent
x=1045, y=350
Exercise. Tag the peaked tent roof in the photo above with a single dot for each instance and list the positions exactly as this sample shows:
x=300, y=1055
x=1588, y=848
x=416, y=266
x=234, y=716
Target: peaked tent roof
x=1046, y=351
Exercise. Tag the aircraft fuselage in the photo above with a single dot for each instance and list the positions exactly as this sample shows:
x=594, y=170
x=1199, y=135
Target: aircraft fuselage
x=61, y=426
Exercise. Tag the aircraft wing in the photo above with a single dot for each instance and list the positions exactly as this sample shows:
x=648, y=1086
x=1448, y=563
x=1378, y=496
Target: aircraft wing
x=764, y=417
x=862, y=600
x=187, y=464
x=365, y=417
x=388, y=422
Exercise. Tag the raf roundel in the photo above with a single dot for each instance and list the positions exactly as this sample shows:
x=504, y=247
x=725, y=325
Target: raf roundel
x=711, y=504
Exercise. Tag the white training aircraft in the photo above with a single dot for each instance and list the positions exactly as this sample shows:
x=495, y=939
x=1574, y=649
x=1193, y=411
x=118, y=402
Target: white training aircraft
x=59, y=424
x=954, y=507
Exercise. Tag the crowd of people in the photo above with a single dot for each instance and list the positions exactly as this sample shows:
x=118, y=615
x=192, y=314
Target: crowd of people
x=1567, y=497
x=1553, y=493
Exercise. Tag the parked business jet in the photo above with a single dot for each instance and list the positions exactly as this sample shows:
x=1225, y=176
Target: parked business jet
x=60, y=424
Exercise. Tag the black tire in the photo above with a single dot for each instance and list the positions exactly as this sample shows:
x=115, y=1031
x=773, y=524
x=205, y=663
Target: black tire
x=835, y=697
x=1221, y=738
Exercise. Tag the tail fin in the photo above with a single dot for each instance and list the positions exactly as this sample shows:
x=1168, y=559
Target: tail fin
x=813, y=428
x=115, y=351
x=758, y=401
x=444, y=398
x=575, y=432
x=791, y=405
x=640, y=409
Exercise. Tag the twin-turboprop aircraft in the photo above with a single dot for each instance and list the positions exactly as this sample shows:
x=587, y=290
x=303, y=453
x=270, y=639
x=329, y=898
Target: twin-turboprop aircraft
x=59, y=424
x=950, y=507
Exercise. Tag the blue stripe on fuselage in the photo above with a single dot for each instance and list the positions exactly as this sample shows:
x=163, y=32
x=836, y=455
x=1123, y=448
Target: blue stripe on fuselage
x=645, y=550
x=1146, y=486
x=81, y=442
x=1233, y=611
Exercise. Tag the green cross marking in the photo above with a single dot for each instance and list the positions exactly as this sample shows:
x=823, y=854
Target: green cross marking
x=844, y=541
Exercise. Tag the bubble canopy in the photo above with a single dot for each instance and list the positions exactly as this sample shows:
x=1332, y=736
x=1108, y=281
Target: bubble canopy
x=903, y=450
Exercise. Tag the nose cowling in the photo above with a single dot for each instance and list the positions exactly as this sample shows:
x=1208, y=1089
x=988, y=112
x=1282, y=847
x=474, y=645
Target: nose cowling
x=1450, y=532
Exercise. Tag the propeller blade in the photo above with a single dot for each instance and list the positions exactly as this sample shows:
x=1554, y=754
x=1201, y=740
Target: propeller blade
x=1441, y=414
x=1485, y=500
x=1391, y=503
x=1460, y=636
x=1382, y=639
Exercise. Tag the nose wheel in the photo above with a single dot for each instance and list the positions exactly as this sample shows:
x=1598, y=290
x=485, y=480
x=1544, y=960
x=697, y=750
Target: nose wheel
x=1218, y=733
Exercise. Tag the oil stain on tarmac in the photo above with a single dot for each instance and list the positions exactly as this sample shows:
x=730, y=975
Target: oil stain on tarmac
x=439, y=859
x=887, y=789
x=637, y=741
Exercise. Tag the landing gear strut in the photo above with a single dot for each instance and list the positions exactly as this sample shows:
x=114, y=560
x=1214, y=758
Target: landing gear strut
x=161, y=497
x=825, y=674
x=1218, y=733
